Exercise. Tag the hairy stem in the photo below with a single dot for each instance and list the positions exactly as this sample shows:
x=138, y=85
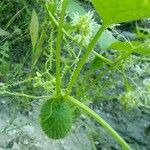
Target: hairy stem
x=23, y=95
x=101, y=121
x=58, y=47
x=83, y=59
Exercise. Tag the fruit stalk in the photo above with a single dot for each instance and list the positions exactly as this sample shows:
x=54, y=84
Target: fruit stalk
x=101, y=121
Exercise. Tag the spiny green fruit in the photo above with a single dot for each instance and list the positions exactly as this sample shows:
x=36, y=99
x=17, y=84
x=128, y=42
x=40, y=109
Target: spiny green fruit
x=56, y=118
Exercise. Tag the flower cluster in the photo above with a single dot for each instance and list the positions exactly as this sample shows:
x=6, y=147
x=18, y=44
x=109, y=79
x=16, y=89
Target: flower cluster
x=129, y=99
x=39, y=81
x=84, y=27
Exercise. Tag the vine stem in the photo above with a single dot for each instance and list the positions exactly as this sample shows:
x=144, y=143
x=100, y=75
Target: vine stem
x=58, y=47
x=23, y=95
x=101, y=121
x=73, y=39
x=83, y=59
x=15, y=83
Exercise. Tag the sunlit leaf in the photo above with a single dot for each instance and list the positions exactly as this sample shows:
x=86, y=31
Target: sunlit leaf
x=134, y=47
x=117, y=11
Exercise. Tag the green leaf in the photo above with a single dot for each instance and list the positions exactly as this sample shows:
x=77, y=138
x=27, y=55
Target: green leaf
x=106, y=39
x=34, y=28
x=121, y=46
x=38, y=50
x=75, y=7
x=117, y=11
x=134, y=47
x=96, y=63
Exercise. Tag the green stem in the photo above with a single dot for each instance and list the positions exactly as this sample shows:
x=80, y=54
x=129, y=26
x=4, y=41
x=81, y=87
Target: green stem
x=58, y=47
x=101, y=121
x=17, y=83
x=103, y=58
x=23, y=95
x=83, y=59
x=75, y=40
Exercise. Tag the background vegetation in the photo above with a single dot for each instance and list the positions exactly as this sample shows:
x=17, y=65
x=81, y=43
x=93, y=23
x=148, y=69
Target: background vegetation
x=119, y=92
